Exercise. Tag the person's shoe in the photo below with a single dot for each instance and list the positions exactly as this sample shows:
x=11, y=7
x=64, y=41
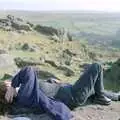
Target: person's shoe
x=119, y=96
x=102, y=100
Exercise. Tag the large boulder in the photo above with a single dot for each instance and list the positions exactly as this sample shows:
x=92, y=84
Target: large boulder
x=6, y=61
x=44, y=74
x=7, y=66
x=46, y=30
x=22, y=62
x=31, y=48
x=67, y=71
x=2, y=51
x=20, y=26
x=52, y=63
x=10, y=23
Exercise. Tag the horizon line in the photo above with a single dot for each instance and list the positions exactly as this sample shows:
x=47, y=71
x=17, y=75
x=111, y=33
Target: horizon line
x=76, y=11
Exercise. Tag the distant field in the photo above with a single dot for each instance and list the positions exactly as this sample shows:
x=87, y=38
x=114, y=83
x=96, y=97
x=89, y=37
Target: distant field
x=100, y=23
x=95, y=27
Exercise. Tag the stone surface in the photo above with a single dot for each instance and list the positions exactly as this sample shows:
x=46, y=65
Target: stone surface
x=6, y=60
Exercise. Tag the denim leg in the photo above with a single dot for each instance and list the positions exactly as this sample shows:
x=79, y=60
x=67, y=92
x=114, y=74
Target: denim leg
x=31, y=95
x=27, y=80
x=99, y=87
x=89, y=83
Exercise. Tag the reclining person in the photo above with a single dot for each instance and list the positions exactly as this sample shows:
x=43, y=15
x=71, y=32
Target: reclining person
x=56, y=98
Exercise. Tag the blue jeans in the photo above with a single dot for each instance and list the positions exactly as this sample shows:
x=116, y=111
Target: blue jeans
x=30, y=95
x=91, y=82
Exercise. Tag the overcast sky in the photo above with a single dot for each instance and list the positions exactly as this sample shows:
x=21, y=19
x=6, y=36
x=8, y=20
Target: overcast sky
x=98, y=5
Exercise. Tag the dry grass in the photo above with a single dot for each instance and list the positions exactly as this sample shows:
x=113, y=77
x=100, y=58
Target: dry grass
x=48, y=49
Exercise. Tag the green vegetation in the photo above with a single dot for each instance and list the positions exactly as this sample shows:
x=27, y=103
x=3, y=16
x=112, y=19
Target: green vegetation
x=94, y=39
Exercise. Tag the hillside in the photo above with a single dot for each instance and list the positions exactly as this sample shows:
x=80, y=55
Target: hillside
x=98, y=28
x=55, y=56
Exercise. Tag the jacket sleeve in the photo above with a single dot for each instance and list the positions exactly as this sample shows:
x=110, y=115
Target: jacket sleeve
x=16, y=80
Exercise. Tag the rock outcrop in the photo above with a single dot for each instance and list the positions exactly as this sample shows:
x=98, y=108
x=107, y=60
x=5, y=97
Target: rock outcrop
x=6, y=61
x=22, y=62
x=45, y=30
x=10, y=23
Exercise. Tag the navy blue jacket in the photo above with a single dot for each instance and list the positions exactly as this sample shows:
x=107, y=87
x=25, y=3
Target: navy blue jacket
x=31, y=95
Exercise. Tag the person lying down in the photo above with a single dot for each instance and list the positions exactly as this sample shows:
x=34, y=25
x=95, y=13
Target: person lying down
x=53, y=97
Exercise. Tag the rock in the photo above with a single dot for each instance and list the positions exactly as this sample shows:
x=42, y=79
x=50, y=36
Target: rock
x=69, y=36
x=10, y=17
x=17, y=25
x=34, y=48
x=22, y=32
x=25, y=46
x=31, y=48
x=55, y=38
x=6, y=61
x=10, y=23
x=44, y=74
x=42, y=59
x=67, y=71
x=29, y=23
x=67, y=57
x=21, y=62
x=45, y=30
x=92, y=55
x=67, y=62
x=51, y=62
x=67, y=51
x=3, y=51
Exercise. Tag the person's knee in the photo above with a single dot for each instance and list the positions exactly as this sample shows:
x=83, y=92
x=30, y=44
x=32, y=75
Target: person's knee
x=27, y=74
x=27, y=70
x=97, y=67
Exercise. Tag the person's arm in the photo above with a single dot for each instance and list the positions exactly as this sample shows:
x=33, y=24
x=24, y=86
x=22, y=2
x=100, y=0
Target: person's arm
x=16, y=80
x=54, y=80
x=12, y=88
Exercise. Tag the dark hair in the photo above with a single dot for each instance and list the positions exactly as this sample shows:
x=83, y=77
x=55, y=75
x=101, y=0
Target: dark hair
x=4, y=107
x=3, y=90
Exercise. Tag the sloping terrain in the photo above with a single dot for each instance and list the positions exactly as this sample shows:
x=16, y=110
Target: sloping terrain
x=90, y=112
x=63, y=59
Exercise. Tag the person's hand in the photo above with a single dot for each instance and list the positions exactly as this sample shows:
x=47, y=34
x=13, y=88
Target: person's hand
x=7, y=83
x=10, y=93
x=53, y=80
x=57, y=81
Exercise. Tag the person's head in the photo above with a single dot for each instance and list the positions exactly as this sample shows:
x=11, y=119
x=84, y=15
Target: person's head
x=4, y=106
x=3, y=90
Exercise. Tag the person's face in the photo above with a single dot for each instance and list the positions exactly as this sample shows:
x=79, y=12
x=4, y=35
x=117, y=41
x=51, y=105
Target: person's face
x=7, y=83
x=4, y=87
x=3, y=90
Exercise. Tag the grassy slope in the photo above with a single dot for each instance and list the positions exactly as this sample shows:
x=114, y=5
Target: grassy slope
x=100, y=23
x=49, y=49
